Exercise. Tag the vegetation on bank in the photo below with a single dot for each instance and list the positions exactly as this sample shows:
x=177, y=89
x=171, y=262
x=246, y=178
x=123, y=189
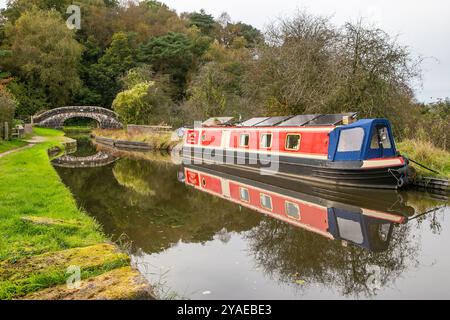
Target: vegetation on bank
x=40, y=224
x=426, y=153
x=77, y=129
x=157, y=140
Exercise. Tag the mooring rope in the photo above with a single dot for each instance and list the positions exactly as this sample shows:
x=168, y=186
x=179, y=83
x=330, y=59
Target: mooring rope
x=425, y=167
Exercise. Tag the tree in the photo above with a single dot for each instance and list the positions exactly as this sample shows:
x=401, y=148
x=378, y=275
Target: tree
x=30, y=99
x=295, y=72
x=143, y=103
x=119, y=57
x=7, y=108
x=175, y=54
x=217, y=88
x=377, y=71
x=15, y=8
x=229, y=32
x=4, y=74
x=310, y=66
x=45, y=54
x=203, y=21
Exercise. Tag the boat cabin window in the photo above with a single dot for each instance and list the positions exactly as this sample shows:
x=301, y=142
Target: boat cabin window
x=293, y=142
x=351, y=140
x=292, y=210
x=380, y=138
x=266, y=140
x=244, y=194
x=350, y=230
x=383, y=231
x=266, y=201
x=244, y=140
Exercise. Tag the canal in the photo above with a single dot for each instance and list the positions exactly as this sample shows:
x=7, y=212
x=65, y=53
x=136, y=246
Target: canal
x=195, y=243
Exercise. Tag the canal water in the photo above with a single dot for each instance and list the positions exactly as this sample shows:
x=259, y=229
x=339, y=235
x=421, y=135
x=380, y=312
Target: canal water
x=336, y=244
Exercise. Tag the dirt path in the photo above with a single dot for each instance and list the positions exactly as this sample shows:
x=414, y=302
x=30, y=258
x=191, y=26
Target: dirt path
x=4, y=154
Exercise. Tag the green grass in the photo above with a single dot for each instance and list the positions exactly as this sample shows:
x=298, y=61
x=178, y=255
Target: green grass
x=77, y=129
x=30, y=187
x=45, y=132
x=157, y=140
x=10, y=145
x=425, y=153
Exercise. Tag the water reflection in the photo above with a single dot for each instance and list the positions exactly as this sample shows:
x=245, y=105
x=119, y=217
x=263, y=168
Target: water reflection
x=84, y=155
x=212, y=229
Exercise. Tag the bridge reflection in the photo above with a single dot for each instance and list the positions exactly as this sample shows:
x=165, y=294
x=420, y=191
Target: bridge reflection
x=100, y=159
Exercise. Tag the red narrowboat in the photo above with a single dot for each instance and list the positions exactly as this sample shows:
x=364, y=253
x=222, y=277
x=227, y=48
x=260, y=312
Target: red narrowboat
x=333, y=149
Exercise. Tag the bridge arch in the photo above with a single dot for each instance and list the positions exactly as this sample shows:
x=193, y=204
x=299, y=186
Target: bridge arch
x=55, y=118
x=100, y=159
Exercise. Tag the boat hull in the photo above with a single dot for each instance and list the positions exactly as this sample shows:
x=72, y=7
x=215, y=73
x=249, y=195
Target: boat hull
x=381, y=174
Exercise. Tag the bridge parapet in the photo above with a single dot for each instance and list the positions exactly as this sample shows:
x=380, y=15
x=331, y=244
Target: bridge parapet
x=55, y=118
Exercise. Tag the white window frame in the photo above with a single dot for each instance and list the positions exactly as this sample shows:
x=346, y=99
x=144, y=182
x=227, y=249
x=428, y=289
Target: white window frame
x=299, y=141
x=286, y=203
x=261, y=201
x=240, y=140
x=261, y=140
x=240, y=194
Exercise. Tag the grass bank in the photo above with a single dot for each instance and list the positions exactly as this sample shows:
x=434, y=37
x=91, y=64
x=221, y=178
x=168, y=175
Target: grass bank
x=11, y=145
x=42, y=230
x=157, y=140
x=427, y=154
x=77, y=129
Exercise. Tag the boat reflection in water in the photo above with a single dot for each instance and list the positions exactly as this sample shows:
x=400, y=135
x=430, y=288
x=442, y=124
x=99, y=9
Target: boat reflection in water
x=360, y=220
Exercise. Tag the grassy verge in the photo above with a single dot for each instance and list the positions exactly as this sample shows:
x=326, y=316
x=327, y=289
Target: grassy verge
x=40, y=218
x=158, y=141
x=10, y=145
x=428, y=155
x=77, y=129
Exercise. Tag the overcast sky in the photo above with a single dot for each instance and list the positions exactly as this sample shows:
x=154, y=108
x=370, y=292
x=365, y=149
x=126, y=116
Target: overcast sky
x=424, y=26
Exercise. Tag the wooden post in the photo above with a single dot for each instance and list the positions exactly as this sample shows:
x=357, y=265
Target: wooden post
x=6, y=131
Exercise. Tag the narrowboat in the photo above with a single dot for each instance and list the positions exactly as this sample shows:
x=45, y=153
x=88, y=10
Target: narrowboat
x=333, y=149
x=336, y=220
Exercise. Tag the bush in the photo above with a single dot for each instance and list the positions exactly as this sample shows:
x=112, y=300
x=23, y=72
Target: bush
x=426, y=153
x=145, y=103
x=7, y=110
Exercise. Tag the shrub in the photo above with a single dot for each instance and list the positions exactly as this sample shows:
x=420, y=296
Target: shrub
x=144, y=103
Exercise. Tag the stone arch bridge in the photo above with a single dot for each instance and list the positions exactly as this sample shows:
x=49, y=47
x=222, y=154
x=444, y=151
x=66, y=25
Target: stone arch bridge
x=55, y=118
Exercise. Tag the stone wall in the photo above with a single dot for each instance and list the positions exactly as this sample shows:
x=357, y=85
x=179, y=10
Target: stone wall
x=140, y=129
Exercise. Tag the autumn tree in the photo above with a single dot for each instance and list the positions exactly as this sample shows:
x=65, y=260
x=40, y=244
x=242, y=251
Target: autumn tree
x=203, y=21
x=104, y=76
x=45, y=54
x=310, y=66
x=175, y=54
x=295, y=72
x=143, y=103
x=217, y=88
x=377, y=72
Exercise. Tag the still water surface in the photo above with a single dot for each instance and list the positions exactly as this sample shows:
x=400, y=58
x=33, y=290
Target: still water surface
x=197, y=245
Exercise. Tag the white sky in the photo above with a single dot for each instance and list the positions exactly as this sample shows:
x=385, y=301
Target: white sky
x=424, y=26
